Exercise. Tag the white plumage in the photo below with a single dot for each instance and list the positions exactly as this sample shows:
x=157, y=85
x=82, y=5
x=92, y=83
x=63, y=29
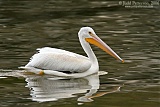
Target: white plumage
x=53, y=61
x=59, y=60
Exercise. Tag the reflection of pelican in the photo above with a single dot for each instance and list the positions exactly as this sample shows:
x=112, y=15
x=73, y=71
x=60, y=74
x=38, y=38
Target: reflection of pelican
x=52, y=61
x=53, y=88
x=49, y=88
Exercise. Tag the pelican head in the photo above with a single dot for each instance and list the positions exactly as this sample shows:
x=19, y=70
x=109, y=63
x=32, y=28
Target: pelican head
x=88, y=34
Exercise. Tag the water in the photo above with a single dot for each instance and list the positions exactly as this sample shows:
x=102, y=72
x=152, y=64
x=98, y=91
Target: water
x=133, y=33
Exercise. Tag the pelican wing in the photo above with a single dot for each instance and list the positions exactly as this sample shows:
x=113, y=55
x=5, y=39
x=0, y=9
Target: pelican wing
x=59, y=60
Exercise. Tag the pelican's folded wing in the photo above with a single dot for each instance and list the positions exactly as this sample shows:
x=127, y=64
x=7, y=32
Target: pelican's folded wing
x=59, y=60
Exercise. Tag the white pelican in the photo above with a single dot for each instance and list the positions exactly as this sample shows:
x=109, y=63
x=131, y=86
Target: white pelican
x=56, y=61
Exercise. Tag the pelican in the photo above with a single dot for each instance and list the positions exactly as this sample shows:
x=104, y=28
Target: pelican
x=56, y=62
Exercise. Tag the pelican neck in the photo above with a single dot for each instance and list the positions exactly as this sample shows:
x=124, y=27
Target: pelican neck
x=88, y=50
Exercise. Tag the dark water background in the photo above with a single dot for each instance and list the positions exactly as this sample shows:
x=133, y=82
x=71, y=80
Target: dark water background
x=133, y=33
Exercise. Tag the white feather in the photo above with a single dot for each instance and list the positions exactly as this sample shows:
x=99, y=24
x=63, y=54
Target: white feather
x=59, y=60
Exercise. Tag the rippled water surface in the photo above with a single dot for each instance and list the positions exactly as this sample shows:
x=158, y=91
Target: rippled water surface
x=133, y=33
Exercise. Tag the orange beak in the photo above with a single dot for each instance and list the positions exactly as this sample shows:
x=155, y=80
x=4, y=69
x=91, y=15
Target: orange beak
x=99, y=43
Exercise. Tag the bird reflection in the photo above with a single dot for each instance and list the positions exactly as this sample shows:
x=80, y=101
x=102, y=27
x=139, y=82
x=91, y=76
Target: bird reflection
x=48, y=88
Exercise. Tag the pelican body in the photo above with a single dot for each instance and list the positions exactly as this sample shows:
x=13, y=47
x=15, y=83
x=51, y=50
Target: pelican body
x=54, y=61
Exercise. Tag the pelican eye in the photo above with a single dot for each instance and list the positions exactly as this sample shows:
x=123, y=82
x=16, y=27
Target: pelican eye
x=90, y=33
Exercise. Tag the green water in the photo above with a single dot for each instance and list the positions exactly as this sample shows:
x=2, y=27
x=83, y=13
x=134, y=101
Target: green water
x=133, y=33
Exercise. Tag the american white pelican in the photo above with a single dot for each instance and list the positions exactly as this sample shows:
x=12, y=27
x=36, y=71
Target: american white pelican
x=56, y=61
